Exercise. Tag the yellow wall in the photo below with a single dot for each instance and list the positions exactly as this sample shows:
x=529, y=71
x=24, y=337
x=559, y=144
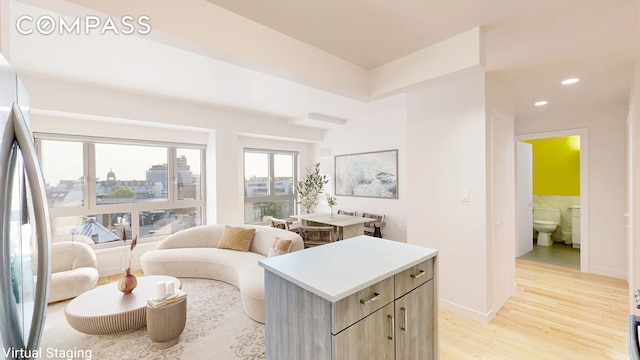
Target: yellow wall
x=556, y=166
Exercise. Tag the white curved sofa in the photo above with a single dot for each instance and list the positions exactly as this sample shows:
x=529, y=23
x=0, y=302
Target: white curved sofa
x=74, y=270
x=193, y=252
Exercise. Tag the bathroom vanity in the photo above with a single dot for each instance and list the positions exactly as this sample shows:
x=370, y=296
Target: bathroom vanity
x=360, y=298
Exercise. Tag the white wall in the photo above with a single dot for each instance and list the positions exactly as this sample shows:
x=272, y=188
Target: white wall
x=607, y=162
x=67, y=108
x=381, y=127
x=446, y=153
x=501, y=229
x=634, y=196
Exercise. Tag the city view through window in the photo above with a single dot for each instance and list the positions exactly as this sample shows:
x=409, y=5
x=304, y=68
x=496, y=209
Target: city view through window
x=135, y=196
x=269, y=185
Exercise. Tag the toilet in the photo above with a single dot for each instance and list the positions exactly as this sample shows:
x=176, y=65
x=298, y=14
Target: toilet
x=545, y=221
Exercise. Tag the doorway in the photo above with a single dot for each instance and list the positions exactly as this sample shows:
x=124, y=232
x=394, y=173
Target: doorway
x=558, y=252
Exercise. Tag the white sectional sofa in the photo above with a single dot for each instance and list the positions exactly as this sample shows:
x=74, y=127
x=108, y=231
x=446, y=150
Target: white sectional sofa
x=193, y=253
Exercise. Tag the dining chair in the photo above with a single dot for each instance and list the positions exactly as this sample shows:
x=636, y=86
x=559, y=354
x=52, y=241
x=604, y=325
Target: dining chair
x=317, y=235
x=373, y=228
x=347, y=212
x=284, y=224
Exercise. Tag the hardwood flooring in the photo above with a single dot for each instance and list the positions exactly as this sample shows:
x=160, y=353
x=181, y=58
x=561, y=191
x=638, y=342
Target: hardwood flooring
x=111, y=278
x=556, y=313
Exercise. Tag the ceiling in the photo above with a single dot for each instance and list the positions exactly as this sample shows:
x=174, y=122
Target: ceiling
x=533, y=45
x=370, y=33
x=530, y=45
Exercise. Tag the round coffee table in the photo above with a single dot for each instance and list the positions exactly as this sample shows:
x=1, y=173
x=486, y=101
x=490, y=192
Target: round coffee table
x=106, y=310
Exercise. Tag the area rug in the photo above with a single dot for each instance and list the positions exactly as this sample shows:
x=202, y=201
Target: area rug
x=217, y=328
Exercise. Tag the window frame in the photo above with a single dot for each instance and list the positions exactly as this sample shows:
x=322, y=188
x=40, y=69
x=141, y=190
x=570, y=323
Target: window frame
x=271, y=197
x=90, y=205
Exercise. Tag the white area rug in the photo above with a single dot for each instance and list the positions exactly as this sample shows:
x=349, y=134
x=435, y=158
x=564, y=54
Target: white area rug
x=217, y=328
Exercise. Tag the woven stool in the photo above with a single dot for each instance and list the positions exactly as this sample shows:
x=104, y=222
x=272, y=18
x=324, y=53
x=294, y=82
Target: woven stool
x=166, y=323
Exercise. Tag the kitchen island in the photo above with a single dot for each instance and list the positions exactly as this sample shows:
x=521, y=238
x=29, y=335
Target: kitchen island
x=360, y=298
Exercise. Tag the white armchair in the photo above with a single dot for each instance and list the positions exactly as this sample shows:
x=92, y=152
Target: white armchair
x=74, y=270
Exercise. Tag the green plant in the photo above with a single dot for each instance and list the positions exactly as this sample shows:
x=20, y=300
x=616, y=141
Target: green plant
x=310, y=187
x=272, y=208
x=331, y=201
x=120, y=191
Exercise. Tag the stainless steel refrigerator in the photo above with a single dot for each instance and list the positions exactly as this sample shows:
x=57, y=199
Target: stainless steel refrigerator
x=25, y=267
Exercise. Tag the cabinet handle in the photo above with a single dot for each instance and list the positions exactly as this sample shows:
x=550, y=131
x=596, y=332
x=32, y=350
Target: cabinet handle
x=370, y=300
x=417, y=276
x=392, y=327
x=404, y=319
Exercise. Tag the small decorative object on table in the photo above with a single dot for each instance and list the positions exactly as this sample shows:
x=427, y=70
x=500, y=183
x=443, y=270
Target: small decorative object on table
x=128, y=281
x=331, y=201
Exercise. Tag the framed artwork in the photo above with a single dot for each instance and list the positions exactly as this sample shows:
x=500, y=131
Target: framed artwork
x=371, y=174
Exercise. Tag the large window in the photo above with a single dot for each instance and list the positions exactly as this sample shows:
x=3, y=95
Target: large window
x=100, y=190
x=269, y=185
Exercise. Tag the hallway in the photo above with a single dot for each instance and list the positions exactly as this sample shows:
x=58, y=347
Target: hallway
x=555, y=313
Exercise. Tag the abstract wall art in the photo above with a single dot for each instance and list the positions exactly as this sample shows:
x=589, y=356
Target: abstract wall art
x=371, y=174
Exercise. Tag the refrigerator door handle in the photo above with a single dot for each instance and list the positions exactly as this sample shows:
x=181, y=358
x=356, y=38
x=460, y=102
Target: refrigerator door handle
x=42, y=224
x=8, y=319
x=634, y=349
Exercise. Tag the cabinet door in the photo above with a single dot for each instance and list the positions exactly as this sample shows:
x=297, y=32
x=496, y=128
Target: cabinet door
x=415, y=324
x=370, y=338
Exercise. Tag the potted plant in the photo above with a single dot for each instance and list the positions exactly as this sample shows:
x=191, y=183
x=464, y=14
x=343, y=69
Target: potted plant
x=310, y=187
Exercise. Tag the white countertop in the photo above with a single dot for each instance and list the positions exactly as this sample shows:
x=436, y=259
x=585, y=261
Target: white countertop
x=342, y=268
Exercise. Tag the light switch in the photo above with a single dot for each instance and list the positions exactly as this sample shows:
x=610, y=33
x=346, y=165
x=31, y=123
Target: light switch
x=464, y=195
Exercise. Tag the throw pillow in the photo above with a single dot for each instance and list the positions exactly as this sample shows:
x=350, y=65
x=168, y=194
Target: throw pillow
x=236, y=238
x=280, y=246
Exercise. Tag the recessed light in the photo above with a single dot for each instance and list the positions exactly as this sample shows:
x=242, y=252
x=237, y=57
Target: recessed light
x=541, y=103
x=570, y=81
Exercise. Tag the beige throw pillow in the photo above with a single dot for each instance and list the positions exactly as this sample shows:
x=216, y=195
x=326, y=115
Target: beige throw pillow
x=236, y=238
x=280, y=246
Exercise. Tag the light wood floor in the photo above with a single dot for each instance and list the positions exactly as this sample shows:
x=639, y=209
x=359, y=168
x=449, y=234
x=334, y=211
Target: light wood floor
x=111, y=278
x=556, y=313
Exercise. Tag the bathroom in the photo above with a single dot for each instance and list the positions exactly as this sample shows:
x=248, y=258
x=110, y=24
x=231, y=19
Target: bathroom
x=556, y=199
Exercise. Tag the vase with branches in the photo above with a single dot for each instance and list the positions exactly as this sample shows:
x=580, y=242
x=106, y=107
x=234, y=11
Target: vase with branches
x=128, y=281
x=310, y=187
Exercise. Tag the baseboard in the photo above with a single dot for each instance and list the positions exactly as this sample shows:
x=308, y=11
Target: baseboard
x=469, y=313
x=608, y=272
x=116, y=270
x=110, y=260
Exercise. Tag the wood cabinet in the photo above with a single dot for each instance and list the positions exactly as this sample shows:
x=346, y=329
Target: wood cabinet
x=384, y=311
x=370, y=338
x=415, y=327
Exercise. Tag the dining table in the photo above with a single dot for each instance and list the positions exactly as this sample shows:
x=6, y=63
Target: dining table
x=347, y=226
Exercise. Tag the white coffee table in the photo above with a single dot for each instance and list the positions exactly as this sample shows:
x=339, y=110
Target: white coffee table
x=106, y=310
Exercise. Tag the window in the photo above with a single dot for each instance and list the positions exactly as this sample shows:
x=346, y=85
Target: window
x=64, y=172
x=130, y=173
x=269, y=183
x=100, y=190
